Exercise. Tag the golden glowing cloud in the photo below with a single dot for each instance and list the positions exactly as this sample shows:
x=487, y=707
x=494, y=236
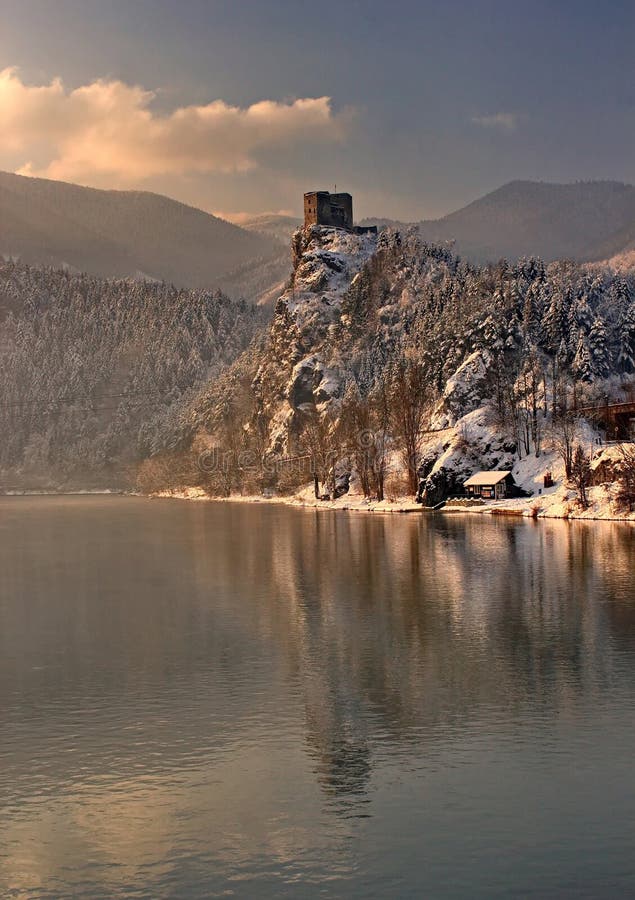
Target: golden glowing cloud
x=108, y=128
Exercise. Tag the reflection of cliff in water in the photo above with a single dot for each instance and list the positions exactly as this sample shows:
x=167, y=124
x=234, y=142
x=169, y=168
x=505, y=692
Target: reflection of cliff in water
x=395, y=631
x=414, y=625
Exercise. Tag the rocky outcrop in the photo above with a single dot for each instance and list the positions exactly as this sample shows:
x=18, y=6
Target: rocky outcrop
x=467, y=388
x=473, y=444
x=298, y=375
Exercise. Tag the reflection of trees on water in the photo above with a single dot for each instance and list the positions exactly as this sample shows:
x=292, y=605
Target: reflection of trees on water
x=390, y=631
x=415, y=624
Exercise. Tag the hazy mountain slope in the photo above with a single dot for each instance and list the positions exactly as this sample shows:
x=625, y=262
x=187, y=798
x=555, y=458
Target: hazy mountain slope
x=122, y=233
x=260, y=280
x=264, y=280
x=581, y=221
x=621, y=263
x=273, y=225
x=618, y=246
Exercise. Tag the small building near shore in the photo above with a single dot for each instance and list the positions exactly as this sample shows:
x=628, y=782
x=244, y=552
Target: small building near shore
x=494, y=485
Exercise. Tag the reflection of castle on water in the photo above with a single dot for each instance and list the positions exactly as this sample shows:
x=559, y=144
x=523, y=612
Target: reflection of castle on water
x=413, y=627
x=340, y=752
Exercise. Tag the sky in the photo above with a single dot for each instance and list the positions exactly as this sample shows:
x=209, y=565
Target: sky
x=415, y=107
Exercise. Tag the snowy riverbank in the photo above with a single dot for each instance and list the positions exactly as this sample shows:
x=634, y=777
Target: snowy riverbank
x=557, y=503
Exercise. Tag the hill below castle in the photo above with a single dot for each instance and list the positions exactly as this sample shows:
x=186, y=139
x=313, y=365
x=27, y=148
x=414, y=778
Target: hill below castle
x=393, y=366
x=389, y=363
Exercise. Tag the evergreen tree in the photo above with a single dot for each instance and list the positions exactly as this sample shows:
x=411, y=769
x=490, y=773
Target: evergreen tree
x=598, y=349
x=626, y=342
x=582, y=365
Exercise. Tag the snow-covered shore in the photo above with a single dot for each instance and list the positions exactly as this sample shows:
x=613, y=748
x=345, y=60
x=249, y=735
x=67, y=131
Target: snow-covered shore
x=304, y=498
x=557, y=503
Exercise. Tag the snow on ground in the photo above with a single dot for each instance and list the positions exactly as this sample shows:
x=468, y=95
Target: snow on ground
x=303, y=498
x=561, y=503
x=558, y=502
x=464, y=390
x=457, y=450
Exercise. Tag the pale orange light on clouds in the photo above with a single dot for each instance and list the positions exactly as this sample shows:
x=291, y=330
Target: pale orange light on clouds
x=108, y=130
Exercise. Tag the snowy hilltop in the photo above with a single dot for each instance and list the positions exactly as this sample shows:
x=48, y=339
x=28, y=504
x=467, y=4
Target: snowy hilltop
x=301, y=373
x=396, y=368
x=389, y=368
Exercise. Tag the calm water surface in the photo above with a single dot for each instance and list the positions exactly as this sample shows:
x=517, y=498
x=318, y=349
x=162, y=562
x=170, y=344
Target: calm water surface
x=205, y=700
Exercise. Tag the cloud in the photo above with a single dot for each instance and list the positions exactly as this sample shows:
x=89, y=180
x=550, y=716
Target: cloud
x=108, y=128
x=504, y=121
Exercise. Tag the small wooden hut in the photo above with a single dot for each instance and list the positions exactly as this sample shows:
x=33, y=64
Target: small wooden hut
x=494, y=485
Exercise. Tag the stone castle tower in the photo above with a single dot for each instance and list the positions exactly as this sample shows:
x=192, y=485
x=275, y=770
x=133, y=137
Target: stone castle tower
x=333, y=210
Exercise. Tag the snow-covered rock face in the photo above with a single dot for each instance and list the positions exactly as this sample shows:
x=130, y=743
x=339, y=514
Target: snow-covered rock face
x=325, y=262
x=466, y=389
x=304, y=377
x=473, y=444
x=312, y=382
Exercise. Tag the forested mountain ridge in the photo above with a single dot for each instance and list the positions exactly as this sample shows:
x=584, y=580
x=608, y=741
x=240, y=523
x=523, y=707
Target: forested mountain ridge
x=95, y=374
x=582, y=221
x=376, y=341
x=129, y=234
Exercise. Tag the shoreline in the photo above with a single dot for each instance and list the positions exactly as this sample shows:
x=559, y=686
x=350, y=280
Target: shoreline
x=525, y=509
x=86, y=492
x=558, y=506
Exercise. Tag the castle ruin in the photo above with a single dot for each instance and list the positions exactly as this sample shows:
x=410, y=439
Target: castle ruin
x=332, y=211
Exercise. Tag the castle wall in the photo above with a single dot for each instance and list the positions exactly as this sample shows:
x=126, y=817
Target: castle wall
x=343, y=203
x=333, y=210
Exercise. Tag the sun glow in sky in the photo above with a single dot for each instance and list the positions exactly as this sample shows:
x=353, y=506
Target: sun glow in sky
x=417, y=107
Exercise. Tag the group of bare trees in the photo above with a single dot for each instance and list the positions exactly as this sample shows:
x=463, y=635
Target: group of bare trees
x=390, y=416
x=626, y=482
x=409, y=401
x=581, y=474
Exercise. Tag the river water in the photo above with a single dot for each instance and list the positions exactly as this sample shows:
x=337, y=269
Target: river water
x=208, y=699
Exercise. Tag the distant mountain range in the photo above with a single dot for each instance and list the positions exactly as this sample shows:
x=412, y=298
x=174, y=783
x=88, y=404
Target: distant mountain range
x=132, y=234
x=586, y=221
x=147, y=236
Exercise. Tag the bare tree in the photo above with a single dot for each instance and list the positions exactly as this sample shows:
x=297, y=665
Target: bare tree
x=356, y=435
x=581, y=473
x=564, y=431
x=380, y=419
x=535, y=379
x=626, y=479
x=407, y=409
x=320, y=440
x=362, y=429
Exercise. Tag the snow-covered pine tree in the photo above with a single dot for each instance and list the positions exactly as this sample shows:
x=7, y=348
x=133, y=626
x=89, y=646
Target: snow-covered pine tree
x=599, y=349
x=626, y=341
x=582, y=365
